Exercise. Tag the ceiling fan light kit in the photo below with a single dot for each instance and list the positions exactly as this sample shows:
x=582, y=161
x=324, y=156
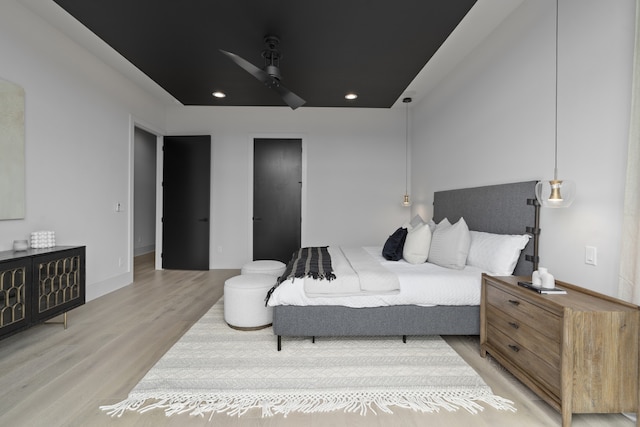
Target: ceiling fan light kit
x=270, y=74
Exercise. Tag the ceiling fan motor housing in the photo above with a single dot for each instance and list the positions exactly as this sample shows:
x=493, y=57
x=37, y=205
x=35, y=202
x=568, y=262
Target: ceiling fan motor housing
x=273, y=71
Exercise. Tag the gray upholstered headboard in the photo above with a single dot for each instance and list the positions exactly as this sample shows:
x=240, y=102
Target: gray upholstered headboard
x=500, y=209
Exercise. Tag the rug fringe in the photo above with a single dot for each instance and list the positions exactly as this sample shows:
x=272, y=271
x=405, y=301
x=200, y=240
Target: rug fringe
x=273, y=404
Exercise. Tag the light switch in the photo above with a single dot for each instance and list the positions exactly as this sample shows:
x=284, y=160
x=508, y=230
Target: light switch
x=591, y=255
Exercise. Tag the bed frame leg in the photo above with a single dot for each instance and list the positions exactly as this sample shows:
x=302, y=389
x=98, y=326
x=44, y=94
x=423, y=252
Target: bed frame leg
x=279, y=342
x=313, y=339
x=404, y=339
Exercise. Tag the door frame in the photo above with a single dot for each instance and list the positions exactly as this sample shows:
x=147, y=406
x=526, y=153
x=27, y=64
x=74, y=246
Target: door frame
x=303, y=190
x=135, y=122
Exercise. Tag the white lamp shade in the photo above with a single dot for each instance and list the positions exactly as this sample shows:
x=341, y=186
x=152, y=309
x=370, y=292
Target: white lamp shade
x=555, y=193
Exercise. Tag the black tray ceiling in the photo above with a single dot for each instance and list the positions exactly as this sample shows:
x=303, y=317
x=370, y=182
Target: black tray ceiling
x=372, y=47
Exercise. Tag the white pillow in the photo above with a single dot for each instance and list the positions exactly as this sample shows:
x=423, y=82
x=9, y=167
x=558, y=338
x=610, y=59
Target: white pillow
x=496, y=253
x=416, y=245
x=450, y=244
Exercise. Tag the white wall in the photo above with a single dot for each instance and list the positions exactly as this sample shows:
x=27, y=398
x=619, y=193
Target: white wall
x=353, y=172
x=79, y=135
x=492, y=121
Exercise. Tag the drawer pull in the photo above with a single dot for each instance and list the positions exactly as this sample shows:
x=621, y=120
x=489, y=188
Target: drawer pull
x=514, y=348
x=514, y=325
x=514, y=302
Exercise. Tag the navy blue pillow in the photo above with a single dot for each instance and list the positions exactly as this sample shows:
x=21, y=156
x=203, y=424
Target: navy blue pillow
x=392, y=249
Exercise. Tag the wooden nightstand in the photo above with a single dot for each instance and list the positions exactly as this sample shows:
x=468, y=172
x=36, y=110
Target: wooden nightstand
x=578, y=352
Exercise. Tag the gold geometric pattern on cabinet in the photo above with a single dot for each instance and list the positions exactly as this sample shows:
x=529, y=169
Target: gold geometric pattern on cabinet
x=39, y=284
x=58, y=282
x=12, y=301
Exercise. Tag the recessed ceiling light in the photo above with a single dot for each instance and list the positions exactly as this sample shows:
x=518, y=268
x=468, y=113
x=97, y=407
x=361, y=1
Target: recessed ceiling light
x=351, y=96
x=219, y=94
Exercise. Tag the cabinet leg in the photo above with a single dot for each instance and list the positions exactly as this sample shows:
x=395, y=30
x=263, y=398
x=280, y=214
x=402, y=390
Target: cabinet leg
x=566, y=417
x=64, y=320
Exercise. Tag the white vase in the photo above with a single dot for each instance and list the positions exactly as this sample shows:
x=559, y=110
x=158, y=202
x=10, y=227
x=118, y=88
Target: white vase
x=535, y=279
x=20, y=245
x=548, y=281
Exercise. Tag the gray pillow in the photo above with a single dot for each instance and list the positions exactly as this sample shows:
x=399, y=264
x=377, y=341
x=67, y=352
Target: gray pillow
x=450, y=244
x=416, y=221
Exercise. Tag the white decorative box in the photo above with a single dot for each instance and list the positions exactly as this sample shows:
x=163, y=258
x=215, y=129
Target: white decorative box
x=43, y=239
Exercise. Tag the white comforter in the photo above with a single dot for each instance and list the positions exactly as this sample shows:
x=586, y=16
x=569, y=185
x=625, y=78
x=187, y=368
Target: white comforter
x=357, y=272
x=420, y=284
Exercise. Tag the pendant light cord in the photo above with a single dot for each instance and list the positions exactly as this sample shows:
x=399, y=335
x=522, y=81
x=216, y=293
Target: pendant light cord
x=555, y=166
x=406, y=150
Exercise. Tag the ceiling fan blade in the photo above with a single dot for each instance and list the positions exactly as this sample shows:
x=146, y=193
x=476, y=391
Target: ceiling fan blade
x=256, y=72
x=290, y=98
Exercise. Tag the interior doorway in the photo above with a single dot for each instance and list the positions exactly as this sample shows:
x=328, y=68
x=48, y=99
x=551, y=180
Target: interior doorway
x=277, y=197
x=144, y=192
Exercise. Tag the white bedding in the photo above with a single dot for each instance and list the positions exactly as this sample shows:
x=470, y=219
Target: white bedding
x=420, y=284
x=357, y=272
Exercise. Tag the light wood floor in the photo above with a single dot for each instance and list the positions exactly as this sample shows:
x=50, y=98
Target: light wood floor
x=55, y=377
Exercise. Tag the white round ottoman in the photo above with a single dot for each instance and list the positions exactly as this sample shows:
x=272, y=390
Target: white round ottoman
x=271, y=267
x=244, y=301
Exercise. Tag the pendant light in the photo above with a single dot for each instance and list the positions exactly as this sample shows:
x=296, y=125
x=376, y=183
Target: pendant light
x=556, y=193
x=406, y=201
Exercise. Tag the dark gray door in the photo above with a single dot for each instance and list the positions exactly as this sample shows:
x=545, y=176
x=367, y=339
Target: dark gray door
x=277, y=183
x=185, y=208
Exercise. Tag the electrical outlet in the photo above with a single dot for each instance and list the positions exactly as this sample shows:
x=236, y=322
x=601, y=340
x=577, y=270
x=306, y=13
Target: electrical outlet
x=591, y=255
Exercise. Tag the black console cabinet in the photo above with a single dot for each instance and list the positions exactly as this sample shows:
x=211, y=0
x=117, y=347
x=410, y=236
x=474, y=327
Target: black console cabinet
x=38, y=284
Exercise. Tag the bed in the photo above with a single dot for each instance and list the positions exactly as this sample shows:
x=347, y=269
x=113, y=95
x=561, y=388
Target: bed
x=505, y=209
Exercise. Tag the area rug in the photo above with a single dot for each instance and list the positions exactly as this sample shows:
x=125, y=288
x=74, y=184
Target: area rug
x=215, y=369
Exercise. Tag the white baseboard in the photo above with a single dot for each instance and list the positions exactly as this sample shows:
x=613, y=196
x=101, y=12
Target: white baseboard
x=96, y=290
x=144, y=250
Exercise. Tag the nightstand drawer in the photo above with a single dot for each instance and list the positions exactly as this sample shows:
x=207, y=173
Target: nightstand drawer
x=524, y=312
x=527, y=336
x=541, y=370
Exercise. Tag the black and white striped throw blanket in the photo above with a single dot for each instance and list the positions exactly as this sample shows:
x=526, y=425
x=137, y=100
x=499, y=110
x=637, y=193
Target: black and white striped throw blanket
x=314, y=262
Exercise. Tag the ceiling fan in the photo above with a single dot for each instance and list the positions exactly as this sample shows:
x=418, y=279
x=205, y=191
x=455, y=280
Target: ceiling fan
x=270, y=73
